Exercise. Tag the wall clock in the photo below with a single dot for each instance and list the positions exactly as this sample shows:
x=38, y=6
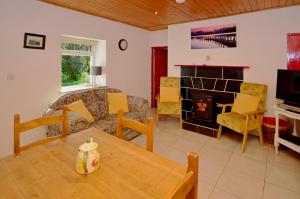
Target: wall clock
x=123, y=44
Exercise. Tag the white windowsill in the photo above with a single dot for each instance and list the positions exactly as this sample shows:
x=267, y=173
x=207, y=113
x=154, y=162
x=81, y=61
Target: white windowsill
x=67, y=89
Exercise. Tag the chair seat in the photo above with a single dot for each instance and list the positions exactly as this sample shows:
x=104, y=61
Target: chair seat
x=168, y=108
x=236, y=122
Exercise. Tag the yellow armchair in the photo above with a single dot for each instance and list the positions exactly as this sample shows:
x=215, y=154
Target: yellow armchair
x=246, y=112
x=169, y=99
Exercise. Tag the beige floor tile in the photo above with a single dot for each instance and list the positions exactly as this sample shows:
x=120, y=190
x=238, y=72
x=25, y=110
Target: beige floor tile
x=173, y=154
x=284, y=178
x=159, y=148
x=194, y=137
x=286, y=158
x=209, y=172
x=186, y=146
x=247, y=166
x=165, y=138
x=220, y=194
x=276, y=192
x=254, y=150
x=241, y=185
x=214, y=155
x=204, y=190
x=227, y=142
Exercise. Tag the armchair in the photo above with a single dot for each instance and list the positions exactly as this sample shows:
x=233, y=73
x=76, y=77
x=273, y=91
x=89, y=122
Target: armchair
x=169, y=99
x=246, y=112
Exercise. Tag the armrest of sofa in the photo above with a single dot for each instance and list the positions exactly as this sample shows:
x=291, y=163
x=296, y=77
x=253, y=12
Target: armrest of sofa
x=76, y=123
x=140, y=105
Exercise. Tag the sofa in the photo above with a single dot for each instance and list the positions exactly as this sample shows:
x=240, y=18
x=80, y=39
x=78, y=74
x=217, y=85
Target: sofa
x=96, y=101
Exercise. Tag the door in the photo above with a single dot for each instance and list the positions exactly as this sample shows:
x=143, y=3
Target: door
x=159, y=68
x=293, y=51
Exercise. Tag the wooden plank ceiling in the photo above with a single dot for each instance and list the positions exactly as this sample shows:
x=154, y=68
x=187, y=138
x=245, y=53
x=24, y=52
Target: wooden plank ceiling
x=141, y=13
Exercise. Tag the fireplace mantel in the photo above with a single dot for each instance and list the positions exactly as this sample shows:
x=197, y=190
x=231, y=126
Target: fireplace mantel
x=209, y=66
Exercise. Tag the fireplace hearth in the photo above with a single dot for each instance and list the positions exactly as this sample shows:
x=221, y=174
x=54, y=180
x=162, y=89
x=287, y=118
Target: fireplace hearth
x=202, y=88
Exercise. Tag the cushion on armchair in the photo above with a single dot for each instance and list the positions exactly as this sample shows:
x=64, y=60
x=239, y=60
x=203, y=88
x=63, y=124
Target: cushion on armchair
x=169, y=94
x=244, y=103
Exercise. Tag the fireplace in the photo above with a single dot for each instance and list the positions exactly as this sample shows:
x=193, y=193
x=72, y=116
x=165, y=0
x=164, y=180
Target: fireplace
x=202, y=87
x=203, y=106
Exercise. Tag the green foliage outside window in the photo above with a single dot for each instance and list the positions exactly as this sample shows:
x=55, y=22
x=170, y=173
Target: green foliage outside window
x=75, y=69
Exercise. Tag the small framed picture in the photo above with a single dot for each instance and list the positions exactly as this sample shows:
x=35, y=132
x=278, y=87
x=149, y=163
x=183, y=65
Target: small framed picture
x=34, y=41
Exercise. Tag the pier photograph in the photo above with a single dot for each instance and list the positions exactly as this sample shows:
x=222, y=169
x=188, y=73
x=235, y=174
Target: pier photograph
x=221, y=36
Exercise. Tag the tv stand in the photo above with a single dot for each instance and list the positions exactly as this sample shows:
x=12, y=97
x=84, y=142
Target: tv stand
x=290, y=143
x=289, y=107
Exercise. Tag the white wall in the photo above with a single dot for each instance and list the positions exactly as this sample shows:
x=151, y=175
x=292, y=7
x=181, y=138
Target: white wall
x=158, y=38
x=37, y=72
x=261, y=41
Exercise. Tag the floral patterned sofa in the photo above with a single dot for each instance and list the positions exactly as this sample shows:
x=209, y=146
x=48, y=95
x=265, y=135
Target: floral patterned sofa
x=95, y=99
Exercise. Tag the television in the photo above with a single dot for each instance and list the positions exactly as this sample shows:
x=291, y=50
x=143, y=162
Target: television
x=288, y=87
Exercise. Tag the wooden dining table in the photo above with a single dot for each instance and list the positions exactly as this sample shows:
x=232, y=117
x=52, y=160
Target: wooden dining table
x=126, y=171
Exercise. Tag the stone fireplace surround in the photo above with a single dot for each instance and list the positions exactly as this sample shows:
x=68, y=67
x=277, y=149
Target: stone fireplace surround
x=223, y=82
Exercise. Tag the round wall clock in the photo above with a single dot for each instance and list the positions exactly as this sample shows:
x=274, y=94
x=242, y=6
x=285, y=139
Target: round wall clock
x=123, y=44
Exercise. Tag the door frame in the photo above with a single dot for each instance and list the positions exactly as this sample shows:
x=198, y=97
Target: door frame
x=288, y=51
x=152, y=71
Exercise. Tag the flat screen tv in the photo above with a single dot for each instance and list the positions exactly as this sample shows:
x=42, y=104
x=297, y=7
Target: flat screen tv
x=288, y=86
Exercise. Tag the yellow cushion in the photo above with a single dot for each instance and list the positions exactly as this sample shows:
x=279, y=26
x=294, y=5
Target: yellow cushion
x=169, y=94
x=236, y=122
x=244, y=103
x=80, y=108
x=116, y=102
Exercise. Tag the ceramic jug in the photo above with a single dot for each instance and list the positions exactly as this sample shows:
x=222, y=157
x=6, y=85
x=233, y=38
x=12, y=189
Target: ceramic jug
x=88, y=157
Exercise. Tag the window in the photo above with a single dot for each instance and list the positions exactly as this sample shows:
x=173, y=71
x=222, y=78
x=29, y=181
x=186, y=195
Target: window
x=78, y=55
x=76, y=62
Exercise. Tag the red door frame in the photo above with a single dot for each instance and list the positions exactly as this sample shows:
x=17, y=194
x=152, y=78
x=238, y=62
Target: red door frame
x=293, y=51
x=153, y=83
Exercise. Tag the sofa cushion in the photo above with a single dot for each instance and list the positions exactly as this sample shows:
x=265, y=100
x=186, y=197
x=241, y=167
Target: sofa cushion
x=117, y=102
x=80, y=108
x=98, y=109
x=76, y=123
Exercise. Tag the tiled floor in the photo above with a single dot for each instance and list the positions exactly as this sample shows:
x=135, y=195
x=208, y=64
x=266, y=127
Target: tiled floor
x=225, y=172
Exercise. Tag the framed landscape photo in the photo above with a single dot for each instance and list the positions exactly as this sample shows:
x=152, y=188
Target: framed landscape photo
x=219, y=36
x=34, y=41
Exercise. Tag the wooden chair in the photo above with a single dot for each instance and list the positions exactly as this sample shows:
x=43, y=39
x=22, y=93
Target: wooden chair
x=22, y=127
x=146, y=129
x=246, y=113
x=188, y=188
x=169, y=101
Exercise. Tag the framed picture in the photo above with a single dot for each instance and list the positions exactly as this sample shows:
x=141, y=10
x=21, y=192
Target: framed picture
x=222, y=36
x=34, y=41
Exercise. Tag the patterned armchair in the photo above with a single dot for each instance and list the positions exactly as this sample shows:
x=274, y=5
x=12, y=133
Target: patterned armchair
x=169, y=100
x=242, y=119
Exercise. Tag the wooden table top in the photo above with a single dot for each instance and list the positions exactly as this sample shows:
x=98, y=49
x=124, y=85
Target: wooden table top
x=126, y=171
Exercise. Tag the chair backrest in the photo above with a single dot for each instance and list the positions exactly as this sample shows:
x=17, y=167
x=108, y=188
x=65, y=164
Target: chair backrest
x=169, y=90
x=173, y=82
x=259, y=90
x=188, y=188
x=25, y=126
x=146, y=129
